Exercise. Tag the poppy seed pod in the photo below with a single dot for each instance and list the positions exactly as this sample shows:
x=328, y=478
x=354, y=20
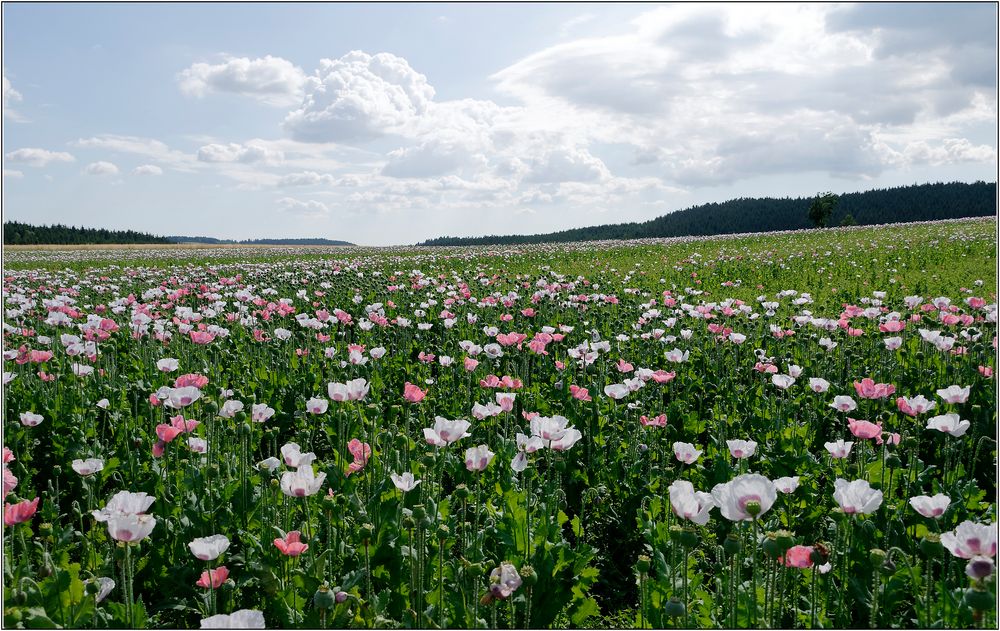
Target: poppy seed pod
x=732, y=544
x=528, y=575
x=979, y=599
x=428, y=460
x=443, y=531
x=674, y=607
x=324, y=598
x=419, y=512
x=784, y=539
x=461, y=492
x=245, y=429
x=642, y=565
x=893, y=462
x=367, y=530
x=409, y=523
x=930, y=545
x=770, y=546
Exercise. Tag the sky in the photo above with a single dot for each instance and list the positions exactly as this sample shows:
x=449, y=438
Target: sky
x=390, y=124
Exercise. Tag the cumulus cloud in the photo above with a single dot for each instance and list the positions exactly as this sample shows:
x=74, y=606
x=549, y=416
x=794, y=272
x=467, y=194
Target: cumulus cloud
x=359, y=96
x=305, y=208
x=718, y=93
x=35, y=157
x=235, y=152
x=101, y=168
x=271, y=80
x=149, y=148
x=147, y=169
x=10, y=96
x=306, y=178
x=13, y=173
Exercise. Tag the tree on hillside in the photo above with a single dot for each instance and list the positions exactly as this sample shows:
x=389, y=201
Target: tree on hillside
x=848, y=220
x=821, y=209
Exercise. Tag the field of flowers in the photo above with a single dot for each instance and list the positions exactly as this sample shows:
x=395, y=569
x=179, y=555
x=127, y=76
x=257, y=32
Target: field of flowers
x=788, y=430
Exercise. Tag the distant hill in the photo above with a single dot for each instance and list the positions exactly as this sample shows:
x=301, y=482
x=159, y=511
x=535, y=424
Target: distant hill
x=214, y=241
x=919, y=202
x=17, y=233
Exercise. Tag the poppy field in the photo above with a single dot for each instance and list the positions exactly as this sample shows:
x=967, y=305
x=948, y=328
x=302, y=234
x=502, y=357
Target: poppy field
x=792, y=430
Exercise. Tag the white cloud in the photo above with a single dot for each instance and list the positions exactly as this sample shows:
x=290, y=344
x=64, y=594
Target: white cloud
x=147, y=147
x=101, y=168
x=271, y=80
x=306, y=178
x=147, y=169
x=718, y=93
x=358, y=97
x=13, y=173
x=305, y=208
x=35, y=157
x=10, y=96
x=235, y=152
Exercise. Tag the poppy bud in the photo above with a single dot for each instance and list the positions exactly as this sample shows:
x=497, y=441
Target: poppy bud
x=324, y=598
x=931, y=546
x=408, y=522
x=245, y=429
x=240, y=417
x=674, y=607
x=402, y=441
x=275, y=483
x=92, y=587
x=419, y=512
x=428, y=461
x=341, y=596
x=877, y=556
x=212, y=407
x=642, y=565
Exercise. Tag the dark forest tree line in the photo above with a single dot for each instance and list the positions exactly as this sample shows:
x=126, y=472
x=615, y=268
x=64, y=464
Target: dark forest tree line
x=921, y=202
x=17, y=233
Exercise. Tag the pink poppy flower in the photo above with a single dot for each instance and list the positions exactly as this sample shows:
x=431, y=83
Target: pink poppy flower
x=505, y=400
x=201, y=337
x=868, y=389
x=291, y=545
x=623, y=366
x=865, y=429
x=470, y=364
x=194, y=379
x=361, y=452
x=167, y=433
x=657, y=421
x=662, y=376
x=797, y=556
x=213, y=578
x=579, y=393
x=412, y=393
x=20, y=512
